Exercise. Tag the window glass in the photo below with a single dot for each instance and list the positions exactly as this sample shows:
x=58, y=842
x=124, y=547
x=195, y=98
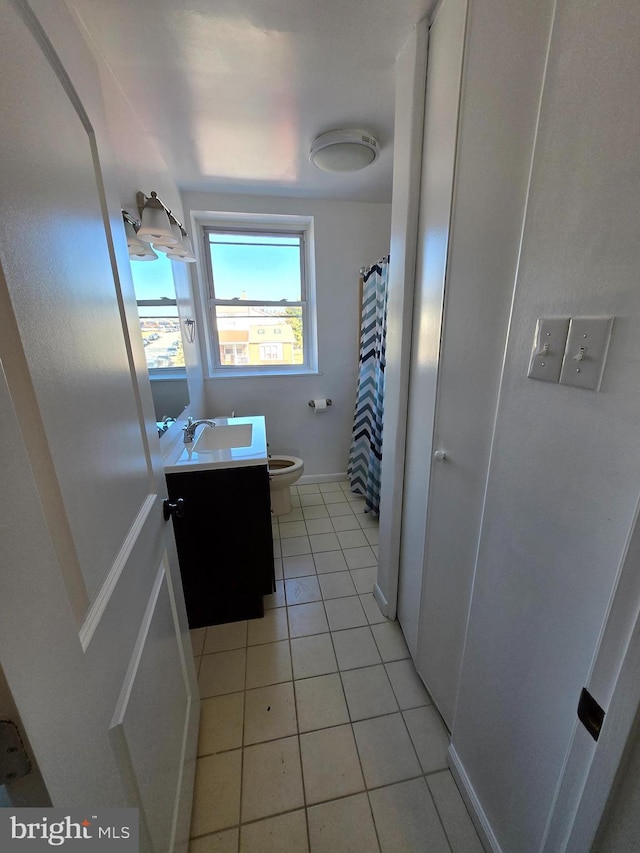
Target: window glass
x=158, y=312
x=258, y=295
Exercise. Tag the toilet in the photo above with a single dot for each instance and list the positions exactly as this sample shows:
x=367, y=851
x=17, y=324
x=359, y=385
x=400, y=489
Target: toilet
x=284, y=471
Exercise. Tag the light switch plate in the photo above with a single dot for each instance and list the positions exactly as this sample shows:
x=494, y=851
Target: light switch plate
x=548, y=348
x=586, y=351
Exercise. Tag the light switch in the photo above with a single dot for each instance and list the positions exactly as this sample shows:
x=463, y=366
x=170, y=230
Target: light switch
x=548, y=349
x=586, y=351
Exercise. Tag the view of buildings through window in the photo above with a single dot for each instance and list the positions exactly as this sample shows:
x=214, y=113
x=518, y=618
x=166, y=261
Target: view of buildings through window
x=258, y=299
x=159, y=323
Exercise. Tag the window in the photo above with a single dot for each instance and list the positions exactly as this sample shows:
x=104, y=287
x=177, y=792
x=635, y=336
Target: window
x=260, y=295
x=158, y=312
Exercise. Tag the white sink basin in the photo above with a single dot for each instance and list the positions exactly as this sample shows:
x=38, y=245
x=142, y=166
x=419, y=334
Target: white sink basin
x=223, y=437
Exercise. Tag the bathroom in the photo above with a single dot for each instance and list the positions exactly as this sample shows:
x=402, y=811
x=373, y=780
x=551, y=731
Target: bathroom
x=534, y=493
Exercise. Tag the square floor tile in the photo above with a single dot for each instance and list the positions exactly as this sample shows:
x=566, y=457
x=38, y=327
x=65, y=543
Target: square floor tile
x=345, y=613
x=275, y=530
x=364, y=579
x=277, y=568
x=221, y=638
x=268, y=663
x=409, y=689
x=302, y=590
x=453, y=813
x=359, y=558
x=285, y=833
x=368, y=521
x=336, y=510
x=345, y=522
x=197, y=640
x=336, y=585
x=429, y=737
x=295, y=499
x=270, y=713
x=309, y=489
x=372, y=611
x=305, y=619
x=355, y=647
x=221, y=842
x=221, y=719
x=294, y=515
x=277, y=550
x=375, y=548
x=311, y=500
x=319, y=525
x=330, y=561
x=298, y=567
x=372, y=534
x=320, y=703
x=222, y=672
x=368, y=692
x=330, y=764
x=291, y=529
x=216, y=796
x=295, y=546
x=330, y=487
x=352, y=539
x=276, y=599
x=319, y=511
x=407, y=820
x=334, y=497
x=390, y=641
x=386, y=751
x=324, y=542
x=342, y=826
x=271, y=627
x=271, y=779
x=313, y=656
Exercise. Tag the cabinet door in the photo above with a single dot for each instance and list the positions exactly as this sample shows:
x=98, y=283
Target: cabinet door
x=224, y=540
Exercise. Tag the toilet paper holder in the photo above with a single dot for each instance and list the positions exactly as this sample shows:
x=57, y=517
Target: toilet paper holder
x=313, y=404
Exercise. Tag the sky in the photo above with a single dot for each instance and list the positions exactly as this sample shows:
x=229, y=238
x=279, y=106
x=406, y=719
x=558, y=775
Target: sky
x=260, y=271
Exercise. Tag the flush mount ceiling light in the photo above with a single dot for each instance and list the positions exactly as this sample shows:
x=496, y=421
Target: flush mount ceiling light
x=344, y=150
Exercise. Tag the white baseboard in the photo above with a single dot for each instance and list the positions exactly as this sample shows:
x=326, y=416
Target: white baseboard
x=307, y=479
x=479, y=818
x=383, y=604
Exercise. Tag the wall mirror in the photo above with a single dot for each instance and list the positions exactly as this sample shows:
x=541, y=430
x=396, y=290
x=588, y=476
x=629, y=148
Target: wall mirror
x=160, y=329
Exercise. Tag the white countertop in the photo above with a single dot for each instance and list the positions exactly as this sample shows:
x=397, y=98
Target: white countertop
x=181, y=458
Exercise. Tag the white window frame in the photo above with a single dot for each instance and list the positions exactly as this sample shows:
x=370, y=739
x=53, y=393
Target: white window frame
x=205, y=221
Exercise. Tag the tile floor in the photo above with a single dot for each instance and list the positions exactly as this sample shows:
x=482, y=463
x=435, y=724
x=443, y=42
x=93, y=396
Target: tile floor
x=316, y=734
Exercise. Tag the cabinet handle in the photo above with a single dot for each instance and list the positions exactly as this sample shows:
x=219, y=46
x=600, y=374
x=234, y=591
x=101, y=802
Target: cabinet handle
x=173, y=509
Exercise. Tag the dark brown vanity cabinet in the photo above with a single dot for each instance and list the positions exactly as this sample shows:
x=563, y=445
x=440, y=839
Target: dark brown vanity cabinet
x=224, y=540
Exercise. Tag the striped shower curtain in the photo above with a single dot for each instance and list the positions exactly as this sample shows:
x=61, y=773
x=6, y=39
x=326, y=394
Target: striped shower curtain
x=365, y=457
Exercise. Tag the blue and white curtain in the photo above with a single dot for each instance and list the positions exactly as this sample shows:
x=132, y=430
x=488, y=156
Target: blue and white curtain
x=365, y=458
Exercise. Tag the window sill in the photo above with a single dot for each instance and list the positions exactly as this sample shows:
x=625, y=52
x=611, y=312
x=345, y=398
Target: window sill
x=251, y=374
x=156, y=374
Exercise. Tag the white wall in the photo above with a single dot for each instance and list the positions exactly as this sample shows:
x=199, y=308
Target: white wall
x=411, y=71
x=138, y=165
x=348, y=235
x=565, y=464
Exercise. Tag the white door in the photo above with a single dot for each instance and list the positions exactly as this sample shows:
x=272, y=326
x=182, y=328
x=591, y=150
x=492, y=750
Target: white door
x=93, y=632
x=444, y=68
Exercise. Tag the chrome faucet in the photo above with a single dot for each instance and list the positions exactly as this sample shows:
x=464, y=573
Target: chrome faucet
x=190, y=429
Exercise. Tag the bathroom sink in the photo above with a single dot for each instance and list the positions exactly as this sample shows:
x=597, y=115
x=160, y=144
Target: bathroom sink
x=223, y=437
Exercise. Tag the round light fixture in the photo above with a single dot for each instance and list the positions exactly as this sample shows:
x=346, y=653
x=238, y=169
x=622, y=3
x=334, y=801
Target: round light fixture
x=344, y=150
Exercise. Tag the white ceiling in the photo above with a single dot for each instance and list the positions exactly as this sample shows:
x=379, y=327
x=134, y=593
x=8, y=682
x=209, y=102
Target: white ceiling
x=234, y=91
